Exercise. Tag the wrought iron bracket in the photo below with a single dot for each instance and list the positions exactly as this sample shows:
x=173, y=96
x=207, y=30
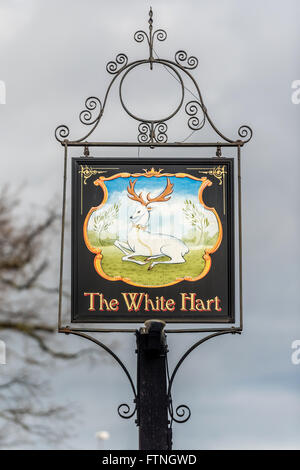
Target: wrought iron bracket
x=156, y=345
x=182, y=413
x=124, y=410
x=152, y=132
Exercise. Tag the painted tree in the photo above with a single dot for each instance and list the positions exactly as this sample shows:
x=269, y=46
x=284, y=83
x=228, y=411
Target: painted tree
x=198, y=220
x=104, y=220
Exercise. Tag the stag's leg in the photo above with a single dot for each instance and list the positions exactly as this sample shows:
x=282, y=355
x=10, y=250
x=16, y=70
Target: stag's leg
x=154, y=257
x=123, y=246
x=170, y=261
x=175, y=257
x=128, y=257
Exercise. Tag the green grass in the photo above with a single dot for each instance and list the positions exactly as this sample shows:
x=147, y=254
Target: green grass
x=94, y=239
x=160, y=274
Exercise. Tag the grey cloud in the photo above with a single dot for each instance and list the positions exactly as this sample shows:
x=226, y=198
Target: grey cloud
x=242, y=390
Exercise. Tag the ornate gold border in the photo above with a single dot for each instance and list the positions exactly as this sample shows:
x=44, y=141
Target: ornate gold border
x=149, y=173
x=85, y=173
x=218, y=172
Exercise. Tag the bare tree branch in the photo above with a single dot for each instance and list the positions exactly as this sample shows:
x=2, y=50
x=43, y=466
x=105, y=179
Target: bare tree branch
x=25, y=410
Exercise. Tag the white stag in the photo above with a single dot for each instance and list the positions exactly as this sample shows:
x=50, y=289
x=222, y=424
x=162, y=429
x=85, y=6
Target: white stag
x=141, y=242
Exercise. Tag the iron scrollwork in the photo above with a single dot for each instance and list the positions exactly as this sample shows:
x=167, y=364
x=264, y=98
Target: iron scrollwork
x=182, y=59
x=92, y=106
x=125, y=412
x=160, y=132
x=86, y=116
x=149, y=132
x=114, y=65
x=246, y=133
x=182, y=414
x=159, y=34
x=192, y=108
x=62, y=132
x=124, y=409
x=144, y=129
x=154, y=131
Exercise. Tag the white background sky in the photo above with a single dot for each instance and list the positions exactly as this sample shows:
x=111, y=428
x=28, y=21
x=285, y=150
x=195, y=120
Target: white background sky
x=243, y=390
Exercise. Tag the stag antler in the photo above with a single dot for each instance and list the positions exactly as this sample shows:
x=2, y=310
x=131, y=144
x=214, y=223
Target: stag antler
x=162, y=197
x=132, y=194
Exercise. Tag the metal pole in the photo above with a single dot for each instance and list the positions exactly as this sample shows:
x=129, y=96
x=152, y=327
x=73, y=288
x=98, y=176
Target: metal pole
x=152, y=402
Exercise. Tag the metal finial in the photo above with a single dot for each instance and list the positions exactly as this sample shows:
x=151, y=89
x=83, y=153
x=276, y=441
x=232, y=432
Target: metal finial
x=150, y=21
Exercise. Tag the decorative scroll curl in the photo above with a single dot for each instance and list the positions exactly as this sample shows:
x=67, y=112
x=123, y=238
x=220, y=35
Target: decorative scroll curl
x=114, y=66
x=62, y=132
x=160, y=132
x=91, y=104
x=144, y=129
x=192, y=108
x=140, y=36
x=125, y=412
x=160, y=35
x=246, y=133
x=150, y=133
x=182, y=59
x=182, y=412
x=155, y=130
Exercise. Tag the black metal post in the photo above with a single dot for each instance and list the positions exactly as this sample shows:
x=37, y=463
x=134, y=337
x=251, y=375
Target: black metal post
x=152, y=402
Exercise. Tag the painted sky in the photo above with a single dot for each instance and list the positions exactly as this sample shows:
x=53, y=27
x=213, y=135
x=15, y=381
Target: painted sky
x=166, y=217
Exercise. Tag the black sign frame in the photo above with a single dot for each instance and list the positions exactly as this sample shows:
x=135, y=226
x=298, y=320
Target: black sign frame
x=220, y=174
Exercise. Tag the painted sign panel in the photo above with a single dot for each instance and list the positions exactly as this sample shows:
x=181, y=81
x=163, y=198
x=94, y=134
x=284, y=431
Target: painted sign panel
x=152, y=239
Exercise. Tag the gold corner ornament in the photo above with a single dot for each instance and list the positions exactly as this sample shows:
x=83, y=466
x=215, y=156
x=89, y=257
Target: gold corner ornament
x=86, y=172
x=219, y=173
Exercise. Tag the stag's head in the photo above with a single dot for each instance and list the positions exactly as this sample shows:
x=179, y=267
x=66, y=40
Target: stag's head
x=142, y=212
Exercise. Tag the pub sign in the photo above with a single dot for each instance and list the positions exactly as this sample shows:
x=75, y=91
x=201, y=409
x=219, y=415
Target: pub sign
x=152, y=239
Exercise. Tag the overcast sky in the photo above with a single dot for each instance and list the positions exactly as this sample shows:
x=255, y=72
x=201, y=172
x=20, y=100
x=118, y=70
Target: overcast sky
x=243, y=390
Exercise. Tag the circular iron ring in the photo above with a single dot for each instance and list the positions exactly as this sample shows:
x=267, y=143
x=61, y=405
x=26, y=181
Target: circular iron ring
x=153, y=121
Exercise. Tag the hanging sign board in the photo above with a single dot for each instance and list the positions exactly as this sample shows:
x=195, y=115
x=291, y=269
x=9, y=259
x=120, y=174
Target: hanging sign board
x=152, y=239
